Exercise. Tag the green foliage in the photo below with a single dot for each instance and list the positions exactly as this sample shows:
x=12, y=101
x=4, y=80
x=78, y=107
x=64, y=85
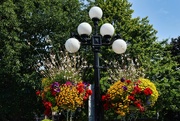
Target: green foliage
x=170, y=88
x=25, y=28
x=175, y=49
x=162, y=70
x=46, y=120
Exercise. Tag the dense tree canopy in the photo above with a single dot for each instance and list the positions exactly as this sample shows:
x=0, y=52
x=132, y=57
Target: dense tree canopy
x=25, y=26
x=175, y=49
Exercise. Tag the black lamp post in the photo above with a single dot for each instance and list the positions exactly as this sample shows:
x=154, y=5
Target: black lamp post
x=96, y=40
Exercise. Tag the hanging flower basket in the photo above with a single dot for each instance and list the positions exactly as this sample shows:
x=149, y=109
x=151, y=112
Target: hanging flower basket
x=126, y=95
x=72, y=96
x=68, y=96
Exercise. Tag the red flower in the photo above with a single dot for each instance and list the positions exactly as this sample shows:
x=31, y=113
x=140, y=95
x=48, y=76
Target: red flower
x=80, y=87
x=106, y=106
x=89, y=92
x=128, y=81
x=138, y=105
x=142, y=109
x=47, y=112
x=136, y=90
x=53, y=92
x=147, y=91
x=47, y=105
x=105, y=97
x=81, y=90
x=131, y=97
x=86, y=94
x=38, y=92
x=85, y=98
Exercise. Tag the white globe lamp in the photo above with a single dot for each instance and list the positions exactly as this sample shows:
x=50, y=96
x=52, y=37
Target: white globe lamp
x=119, y=46
x=107, y=29
x=72, y=45
x=95, y=12
x=84, y=28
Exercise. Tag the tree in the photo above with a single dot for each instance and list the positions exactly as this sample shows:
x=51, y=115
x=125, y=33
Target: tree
x=151, y=55
x=175, y=49
x=170, y=85
x=25, y=27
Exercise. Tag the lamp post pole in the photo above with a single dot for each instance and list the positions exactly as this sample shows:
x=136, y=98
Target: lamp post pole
x=96, y=44
x=96, y=41
x=98, y=113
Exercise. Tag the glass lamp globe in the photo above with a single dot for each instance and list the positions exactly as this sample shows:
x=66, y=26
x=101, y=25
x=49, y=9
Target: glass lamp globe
x=72, y=45
x=107, y=29
x=84, y=28
x=119, y=46
x=95, y=12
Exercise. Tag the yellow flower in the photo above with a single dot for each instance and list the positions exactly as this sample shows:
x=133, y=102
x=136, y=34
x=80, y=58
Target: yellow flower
x=119, y=97
x=125, y=106
x=69, y=97
x=120, y=113
x=145, y=83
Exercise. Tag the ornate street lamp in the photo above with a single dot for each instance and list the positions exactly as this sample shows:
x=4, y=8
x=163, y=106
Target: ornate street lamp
x=95, y=40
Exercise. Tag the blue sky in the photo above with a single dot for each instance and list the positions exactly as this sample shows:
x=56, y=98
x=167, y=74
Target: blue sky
x=164, y=15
